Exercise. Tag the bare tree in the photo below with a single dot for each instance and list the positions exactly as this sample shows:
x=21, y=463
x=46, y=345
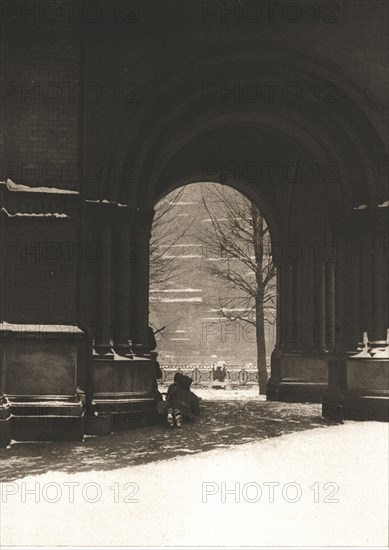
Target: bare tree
x=167, y=233
x=239, y=251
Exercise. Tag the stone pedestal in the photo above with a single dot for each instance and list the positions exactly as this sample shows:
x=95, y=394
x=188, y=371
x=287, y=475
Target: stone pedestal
x=358, y=383
x=40, y=366
x=5, y=422
x=367, y=395
x=123, y=394
x=300, y=377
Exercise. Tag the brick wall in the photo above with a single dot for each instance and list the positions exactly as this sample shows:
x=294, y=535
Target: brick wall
x=40, y=97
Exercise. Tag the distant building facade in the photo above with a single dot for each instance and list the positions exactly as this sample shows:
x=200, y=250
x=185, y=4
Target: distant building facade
x=189, y=303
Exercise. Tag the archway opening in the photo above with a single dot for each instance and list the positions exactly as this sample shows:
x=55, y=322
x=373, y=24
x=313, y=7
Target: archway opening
x=213, y=288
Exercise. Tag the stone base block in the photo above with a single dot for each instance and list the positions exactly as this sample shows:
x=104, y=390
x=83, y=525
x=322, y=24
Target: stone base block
x=5, y=422
x=366, y=407
x=123, y=395
x=47, y=429
x=40, y=359
x=121, y=376
x=5, y=433
x=41, y=367
x=300, y=378
x=367, y=396
x=121, y=414
x=368, y=375
x=101, y=424
x=47, y=420
x=129, y=421
x=295, y=392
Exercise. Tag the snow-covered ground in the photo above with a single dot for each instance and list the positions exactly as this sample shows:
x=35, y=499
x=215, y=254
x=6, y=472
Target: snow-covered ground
x=228, y=394
x=332, y=490
x=231, y=394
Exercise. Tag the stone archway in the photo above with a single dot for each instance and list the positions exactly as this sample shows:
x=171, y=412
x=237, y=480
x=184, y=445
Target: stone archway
x=317, y=227
x=199, y=116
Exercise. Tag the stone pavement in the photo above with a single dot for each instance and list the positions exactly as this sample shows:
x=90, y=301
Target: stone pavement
x=222, y=424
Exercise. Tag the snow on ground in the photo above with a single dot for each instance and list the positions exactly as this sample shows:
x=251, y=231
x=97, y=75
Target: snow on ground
x=337, y=495
x=237, y=393
x=230, y=394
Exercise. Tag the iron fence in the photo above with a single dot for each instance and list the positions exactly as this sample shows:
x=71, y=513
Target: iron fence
x=203, y=375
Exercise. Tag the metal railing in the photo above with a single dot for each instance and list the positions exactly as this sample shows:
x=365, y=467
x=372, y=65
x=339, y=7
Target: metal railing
x=203, y=375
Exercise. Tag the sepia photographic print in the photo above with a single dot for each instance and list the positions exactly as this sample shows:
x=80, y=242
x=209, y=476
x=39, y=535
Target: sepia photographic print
x=194, y=273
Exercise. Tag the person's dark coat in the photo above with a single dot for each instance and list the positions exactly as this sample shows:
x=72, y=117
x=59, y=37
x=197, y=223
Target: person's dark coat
x=158, y=372
x=151, y=341
x=179, y=396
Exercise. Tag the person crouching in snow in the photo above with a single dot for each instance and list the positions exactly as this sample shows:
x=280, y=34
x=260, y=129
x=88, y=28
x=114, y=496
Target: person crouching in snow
x=182, y=403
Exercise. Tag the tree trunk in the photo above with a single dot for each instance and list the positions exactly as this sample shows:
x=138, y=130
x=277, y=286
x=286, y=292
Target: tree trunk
x=258, y=232
x=261, y=348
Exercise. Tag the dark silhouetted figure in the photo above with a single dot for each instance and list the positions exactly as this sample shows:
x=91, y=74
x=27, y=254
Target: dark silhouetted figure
x=182, y=403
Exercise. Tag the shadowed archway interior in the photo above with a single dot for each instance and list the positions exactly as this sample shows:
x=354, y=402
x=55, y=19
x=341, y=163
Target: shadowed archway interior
x=292, y=120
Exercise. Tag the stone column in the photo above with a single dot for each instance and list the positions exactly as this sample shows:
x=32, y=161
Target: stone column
x=340, y=274
x=320, y=305
x=142, y=227
x=330, y=305
x=340, y=314
x=133, y=273
x=103, y=338
x=377, y=332
x=275, y=375
x=333, y=399
x=124, y=283
x=290, y=332
x=356, y=315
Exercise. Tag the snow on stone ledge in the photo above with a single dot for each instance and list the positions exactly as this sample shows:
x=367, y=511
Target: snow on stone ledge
x=12, y=186
x=385, y=204
x=113, y=356
x=18, y=327
x=34, y=214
